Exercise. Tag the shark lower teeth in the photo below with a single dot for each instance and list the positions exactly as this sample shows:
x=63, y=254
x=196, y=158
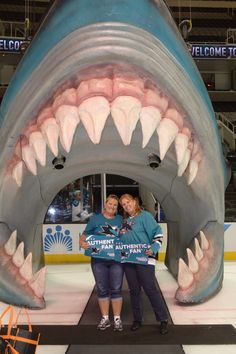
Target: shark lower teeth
x=128, y=101
x=187, y=273
x=24, y=265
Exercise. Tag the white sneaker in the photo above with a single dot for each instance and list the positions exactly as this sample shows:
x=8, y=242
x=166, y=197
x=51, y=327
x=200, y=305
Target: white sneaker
x=103, y=324
x=118, y=325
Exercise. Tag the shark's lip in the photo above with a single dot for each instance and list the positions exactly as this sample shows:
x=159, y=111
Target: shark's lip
x=153, y=55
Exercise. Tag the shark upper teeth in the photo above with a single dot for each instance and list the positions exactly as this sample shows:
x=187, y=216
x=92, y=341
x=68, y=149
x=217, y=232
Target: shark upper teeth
x=95, y=87
x=68, y=119
x=17, y=173
x=94, y=112
x=167, y=132
x=50, y=131
x=175, y=116
x=184, y=163
x=192, y=171
x=37, y=142
x=185, y=276
x=26, y=268
x=29, y=159
x=127, y=86
x=150, y=118
x=125, y=112
x=181, y=144
x=18, y=256
x=153, y=97
x=132, y=98
x=10, y=245
x=49, y=128
x=37, y=282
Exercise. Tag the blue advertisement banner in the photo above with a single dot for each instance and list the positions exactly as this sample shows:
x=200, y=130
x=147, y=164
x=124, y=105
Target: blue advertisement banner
x=10, y=45
x=212, y=51
x=131, y=253
x=100, y=246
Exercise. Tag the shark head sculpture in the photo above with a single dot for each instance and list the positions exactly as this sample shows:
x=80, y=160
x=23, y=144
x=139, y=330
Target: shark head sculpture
x=104, y=84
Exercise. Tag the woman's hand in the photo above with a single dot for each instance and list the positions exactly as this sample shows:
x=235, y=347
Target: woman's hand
x=83, y=244
x=149, y=252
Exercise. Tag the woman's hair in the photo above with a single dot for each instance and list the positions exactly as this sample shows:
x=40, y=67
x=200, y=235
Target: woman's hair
x=112, y=196
x=130, y=197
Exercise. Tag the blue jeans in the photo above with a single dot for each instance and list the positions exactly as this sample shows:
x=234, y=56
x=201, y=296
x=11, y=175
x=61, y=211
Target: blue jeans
x=143, y=276
x=108, y=276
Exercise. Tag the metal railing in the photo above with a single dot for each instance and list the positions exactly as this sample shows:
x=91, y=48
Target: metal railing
x=228, y=130
x=231, y=125
x=231, y=36
x=12, y=29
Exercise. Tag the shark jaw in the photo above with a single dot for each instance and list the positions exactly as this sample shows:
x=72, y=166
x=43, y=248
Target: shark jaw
x=105, y=103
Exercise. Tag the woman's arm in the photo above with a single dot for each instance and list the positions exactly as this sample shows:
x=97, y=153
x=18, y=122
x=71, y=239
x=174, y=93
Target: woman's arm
x=154, y=232
x=83, y=244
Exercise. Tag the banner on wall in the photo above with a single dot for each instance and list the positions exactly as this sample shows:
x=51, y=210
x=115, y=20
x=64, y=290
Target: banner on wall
x=212, y=51
x=64, y=238
x=11, y=45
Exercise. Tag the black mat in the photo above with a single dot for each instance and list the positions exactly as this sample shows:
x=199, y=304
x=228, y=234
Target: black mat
x=147, y=335
x=92, y=314
x=84, y=337
x=124, y=349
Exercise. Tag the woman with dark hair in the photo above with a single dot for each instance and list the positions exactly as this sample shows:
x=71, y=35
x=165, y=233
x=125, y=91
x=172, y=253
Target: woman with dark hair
x=108, y=274
x=139, y=226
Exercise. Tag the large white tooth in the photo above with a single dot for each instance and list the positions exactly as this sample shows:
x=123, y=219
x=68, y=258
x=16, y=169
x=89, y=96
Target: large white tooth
x=167, y=132
x=94, y=112
x=192, y=171
x=184, y=163
x=204, y=242
x=50, y=130
x=18, y=257
x=185, y=276
x=68, y=119
x=37, y=283
x=29, y=159
x=198, y=250
x=10, y=245
x=125, y=112
x=26, y=269
x=181, y=144
x=150, y=117
x=17, y=173
x=192, y=262
x=38, y=144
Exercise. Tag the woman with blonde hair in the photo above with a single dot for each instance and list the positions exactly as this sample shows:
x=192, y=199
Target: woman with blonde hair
x=108, y=274
x=139, y=226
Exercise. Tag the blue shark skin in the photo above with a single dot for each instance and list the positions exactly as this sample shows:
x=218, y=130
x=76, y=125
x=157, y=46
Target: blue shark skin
x=84, y=40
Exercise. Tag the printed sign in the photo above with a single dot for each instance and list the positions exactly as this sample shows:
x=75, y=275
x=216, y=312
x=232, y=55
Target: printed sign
x=10, y=44
x=101, y=246
x=131, y=253
x=213, y=51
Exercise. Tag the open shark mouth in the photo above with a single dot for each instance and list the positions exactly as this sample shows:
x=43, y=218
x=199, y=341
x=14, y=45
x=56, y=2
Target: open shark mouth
x=105, y=90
